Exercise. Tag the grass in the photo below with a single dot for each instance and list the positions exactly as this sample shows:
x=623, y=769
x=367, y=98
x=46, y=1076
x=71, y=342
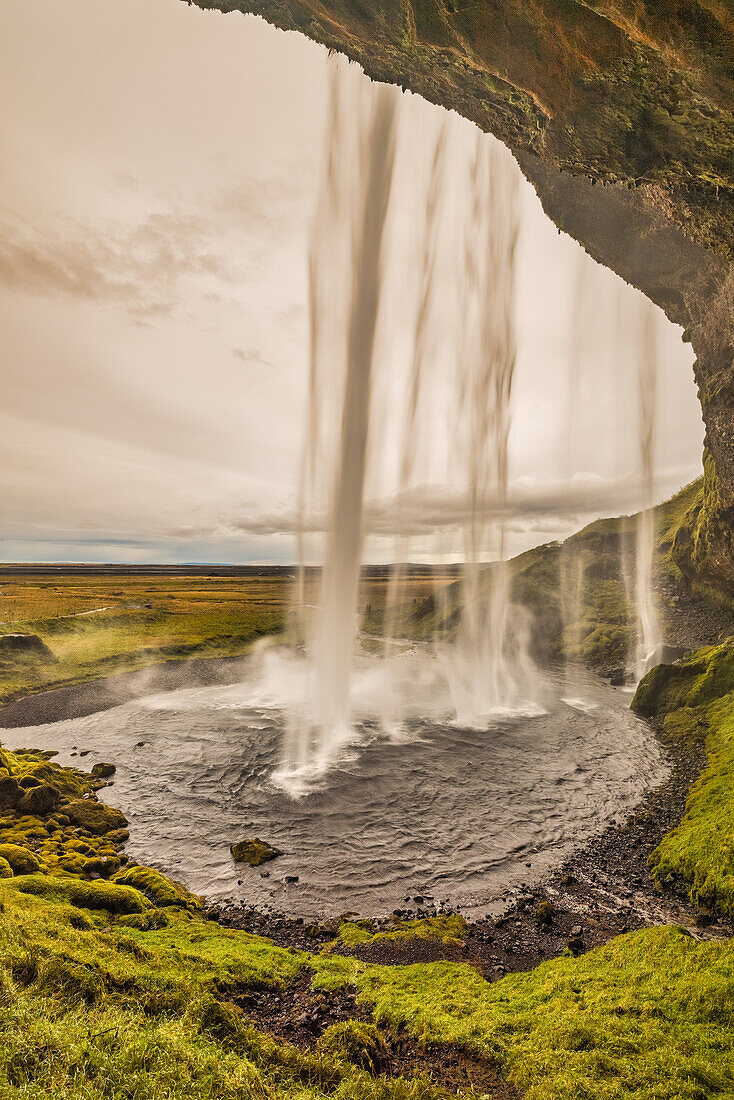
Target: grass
x=645, y=1016
x=102, y=625
x=95, y=1009
x=117, y=987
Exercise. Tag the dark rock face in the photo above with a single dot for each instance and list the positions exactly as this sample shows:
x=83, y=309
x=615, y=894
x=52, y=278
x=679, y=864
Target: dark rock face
x=24, y=647
x=621, y=115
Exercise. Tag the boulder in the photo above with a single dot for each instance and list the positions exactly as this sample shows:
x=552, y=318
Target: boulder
x=22, y=861
x=254, y=852
x=39, y=801
x=10, y=793
x=94, y=816
x=103, y=771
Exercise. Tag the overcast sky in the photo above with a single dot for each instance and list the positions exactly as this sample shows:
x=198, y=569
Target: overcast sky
x=160, y=170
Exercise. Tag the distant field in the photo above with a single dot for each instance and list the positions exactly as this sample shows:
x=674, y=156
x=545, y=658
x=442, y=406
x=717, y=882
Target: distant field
x=100, y=623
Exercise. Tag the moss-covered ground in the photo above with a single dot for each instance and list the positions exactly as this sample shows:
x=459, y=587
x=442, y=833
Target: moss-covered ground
x=695, y=699
x=93, y=1007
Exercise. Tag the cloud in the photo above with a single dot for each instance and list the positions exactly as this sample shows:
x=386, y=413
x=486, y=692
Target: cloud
x=530, y=506
x=138, y=267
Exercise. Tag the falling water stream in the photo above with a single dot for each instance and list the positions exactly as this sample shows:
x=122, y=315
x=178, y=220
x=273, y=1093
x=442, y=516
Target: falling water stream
x=648, y=624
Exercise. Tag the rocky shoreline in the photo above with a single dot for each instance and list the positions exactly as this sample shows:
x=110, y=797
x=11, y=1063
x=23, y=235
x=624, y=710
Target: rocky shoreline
x=603, y=890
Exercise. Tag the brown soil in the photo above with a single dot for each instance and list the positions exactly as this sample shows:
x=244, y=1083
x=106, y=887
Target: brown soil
x=299, y=1014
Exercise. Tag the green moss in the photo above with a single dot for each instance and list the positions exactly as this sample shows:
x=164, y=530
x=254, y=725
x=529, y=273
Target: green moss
x=22, y=861
x=104, y=1010
x=450, y=928
x=150, y=920
x=355, y=1041
x=6, y=871
x=85, y=895
x=160, y=890
x=254, y=852
x=702, y=677
x=95, y=817
x=646, y=1017
x=698, y=856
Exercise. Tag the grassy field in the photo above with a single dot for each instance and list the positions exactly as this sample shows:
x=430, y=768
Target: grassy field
x=100, y=625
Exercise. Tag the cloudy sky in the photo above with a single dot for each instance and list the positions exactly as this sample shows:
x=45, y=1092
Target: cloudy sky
x=160, y=171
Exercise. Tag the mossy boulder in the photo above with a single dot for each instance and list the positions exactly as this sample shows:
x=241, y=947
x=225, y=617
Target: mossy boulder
x=95, y=817
x=85, y=895
x=6, y=871
x=103, y=771
x=21, y=648
x=39, y=800
x=703, y=677
x=254, y=852
x=545, y=914
x=162, y=891
x=22, y=861
x=150, y=921
x=11, y=792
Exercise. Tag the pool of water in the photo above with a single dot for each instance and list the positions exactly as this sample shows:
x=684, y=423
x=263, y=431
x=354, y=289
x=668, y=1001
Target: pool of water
x=431, y=809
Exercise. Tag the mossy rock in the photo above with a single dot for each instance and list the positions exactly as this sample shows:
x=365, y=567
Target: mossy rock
x=357, y=1042
x=6, y=871
x=545, y=913
x=162, y=891
x=703, y=677
x=152, y=920
x=22, y=861
x=85, y=895
x=11, y=792
x=94, y=816
x=254, y=852
x=104, y=865
x=39, y=800
x=103, y=771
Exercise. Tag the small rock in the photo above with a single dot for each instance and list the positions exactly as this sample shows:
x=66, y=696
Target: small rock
x=254, y=852
x=102, y=770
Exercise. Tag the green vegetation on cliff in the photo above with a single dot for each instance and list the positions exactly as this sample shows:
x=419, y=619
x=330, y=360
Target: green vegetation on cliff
x=695, y=699
x=576, y=591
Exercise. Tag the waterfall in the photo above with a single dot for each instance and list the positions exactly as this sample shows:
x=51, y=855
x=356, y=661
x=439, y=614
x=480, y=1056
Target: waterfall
x=488, y=667
x=648, y=623
x=323, y=723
